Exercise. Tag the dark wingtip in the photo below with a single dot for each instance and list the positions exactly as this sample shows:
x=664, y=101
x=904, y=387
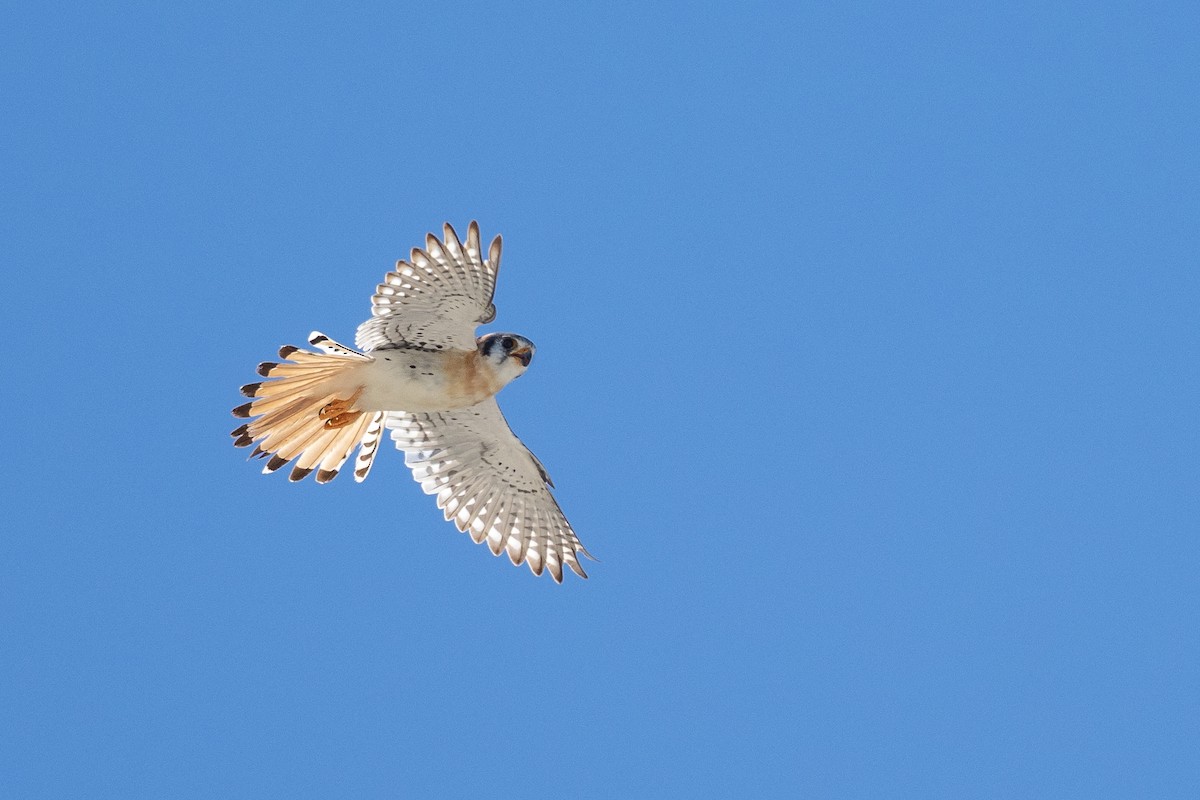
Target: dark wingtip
x=298, y=474
x=258, y=453
x=275, y=463
x=287, y=350
x=243, y=411
x=326, y=475
x=265, y=368
x=249, y=389
x=317, y=338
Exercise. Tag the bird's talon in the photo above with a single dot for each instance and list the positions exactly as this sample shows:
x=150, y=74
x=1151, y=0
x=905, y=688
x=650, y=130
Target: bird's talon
x=342, y=420
x=336, y=408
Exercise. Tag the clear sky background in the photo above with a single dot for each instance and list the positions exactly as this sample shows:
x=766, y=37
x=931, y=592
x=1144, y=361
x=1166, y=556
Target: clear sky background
x=867, y=365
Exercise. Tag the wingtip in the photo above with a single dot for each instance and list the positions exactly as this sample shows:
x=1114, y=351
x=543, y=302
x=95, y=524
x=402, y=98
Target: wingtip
x=494, y=251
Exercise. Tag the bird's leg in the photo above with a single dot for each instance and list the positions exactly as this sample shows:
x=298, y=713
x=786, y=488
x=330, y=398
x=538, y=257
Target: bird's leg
x=338, y=413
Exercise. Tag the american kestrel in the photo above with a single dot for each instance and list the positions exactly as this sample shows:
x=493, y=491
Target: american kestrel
x=423, y=375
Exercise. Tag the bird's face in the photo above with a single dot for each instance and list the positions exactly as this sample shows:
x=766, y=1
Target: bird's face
x=508, y=353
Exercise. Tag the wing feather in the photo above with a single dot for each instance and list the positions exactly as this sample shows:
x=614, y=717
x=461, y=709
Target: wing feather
x=488, y=484
x=436, y=299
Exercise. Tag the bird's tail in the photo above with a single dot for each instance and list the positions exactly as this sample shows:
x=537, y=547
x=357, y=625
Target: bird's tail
x=305, y=411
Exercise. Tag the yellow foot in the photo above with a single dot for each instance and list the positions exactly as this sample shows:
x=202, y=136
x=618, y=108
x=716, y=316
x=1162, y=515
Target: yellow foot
x=343, y=419
x=336, y=410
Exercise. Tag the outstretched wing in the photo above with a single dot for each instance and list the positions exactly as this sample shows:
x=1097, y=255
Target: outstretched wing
x=435, y=300
x=489, y=484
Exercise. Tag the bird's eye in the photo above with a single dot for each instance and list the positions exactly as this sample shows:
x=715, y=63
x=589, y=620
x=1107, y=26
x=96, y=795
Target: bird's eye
x=508, y=343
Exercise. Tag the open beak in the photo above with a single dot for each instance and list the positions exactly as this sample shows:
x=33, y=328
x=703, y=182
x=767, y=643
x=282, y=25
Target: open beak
x=523, y=354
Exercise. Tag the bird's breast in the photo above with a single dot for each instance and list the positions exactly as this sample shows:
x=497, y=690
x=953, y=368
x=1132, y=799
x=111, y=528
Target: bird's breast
x=418, y=380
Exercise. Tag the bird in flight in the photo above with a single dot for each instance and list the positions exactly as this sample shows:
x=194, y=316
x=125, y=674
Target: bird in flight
x=421, y=374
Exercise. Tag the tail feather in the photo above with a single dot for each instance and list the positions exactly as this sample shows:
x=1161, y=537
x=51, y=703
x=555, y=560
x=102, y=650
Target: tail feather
x=314, y=449
x=305, y=439
x=368, y=448
x=274, y=408
x=316, y=375
x=339, y=449
x=277, y=429
x=291, y=418
x=324, y=343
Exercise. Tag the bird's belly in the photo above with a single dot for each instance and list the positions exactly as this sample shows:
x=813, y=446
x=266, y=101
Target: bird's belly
x=401, y=381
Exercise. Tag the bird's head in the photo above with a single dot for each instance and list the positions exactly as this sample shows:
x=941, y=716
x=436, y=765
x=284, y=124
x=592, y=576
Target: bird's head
x=508, y=353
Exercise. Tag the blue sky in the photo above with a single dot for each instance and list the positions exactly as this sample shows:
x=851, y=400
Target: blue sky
x=867, y=365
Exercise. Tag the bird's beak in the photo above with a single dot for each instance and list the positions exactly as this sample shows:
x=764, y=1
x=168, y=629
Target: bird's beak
x=523, y=354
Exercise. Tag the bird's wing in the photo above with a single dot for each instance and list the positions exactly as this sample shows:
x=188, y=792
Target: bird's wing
x=434, y=300
x=489, y=484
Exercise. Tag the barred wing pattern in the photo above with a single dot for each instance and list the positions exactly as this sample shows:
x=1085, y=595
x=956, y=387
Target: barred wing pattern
x=489, y=484
x=435, y=300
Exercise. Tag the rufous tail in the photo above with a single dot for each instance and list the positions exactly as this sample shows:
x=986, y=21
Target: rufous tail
x=305, y=412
